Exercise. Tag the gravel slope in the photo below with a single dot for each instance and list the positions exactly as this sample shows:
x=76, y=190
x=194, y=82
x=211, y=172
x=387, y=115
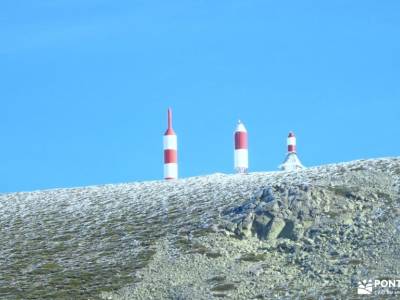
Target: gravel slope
x=269, y=235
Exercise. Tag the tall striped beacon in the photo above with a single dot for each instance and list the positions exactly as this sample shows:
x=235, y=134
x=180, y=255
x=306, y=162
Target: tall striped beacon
x=170, y=151
x=241, y=154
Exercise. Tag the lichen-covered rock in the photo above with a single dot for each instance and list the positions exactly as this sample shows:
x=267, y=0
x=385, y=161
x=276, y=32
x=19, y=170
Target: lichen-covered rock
x=275, y=228
x=261, y=225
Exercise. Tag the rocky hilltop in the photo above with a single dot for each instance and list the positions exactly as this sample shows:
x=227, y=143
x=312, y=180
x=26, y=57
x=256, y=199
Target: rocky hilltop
x=308, y=234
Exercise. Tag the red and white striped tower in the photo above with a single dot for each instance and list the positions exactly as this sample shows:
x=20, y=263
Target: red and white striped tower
x=291, y=143
x=291, y=162
x=241, y=156
x=170, y=151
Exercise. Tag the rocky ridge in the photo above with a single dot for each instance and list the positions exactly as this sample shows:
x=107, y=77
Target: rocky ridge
x=312, y=233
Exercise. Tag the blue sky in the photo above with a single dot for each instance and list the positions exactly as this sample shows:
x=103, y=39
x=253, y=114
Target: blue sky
x=85, y=86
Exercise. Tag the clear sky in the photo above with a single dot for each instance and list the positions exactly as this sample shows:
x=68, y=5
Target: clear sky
x=85, y=85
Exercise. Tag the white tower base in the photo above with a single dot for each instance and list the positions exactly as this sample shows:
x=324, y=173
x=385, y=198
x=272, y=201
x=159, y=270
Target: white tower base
x=291, y=163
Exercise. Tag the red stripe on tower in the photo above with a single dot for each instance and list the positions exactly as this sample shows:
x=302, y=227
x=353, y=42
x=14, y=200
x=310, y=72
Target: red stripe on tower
x=240, y=140
x=170, y=151
x=170, y=156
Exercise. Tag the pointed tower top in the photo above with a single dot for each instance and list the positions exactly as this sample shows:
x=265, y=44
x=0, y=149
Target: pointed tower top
x=291, y=134
x=170, y=131
x=240, y=127
x=169, y=117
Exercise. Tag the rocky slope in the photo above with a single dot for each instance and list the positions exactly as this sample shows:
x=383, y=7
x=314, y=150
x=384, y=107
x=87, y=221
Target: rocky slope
x=308, y=234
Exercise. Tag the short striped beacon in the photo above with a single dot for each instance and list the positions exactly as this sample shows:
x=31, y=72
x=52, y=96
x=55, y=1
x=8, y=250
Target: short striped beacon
x=291, y=143
x=241, y=155
x=170, y=151
x=291, y=162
